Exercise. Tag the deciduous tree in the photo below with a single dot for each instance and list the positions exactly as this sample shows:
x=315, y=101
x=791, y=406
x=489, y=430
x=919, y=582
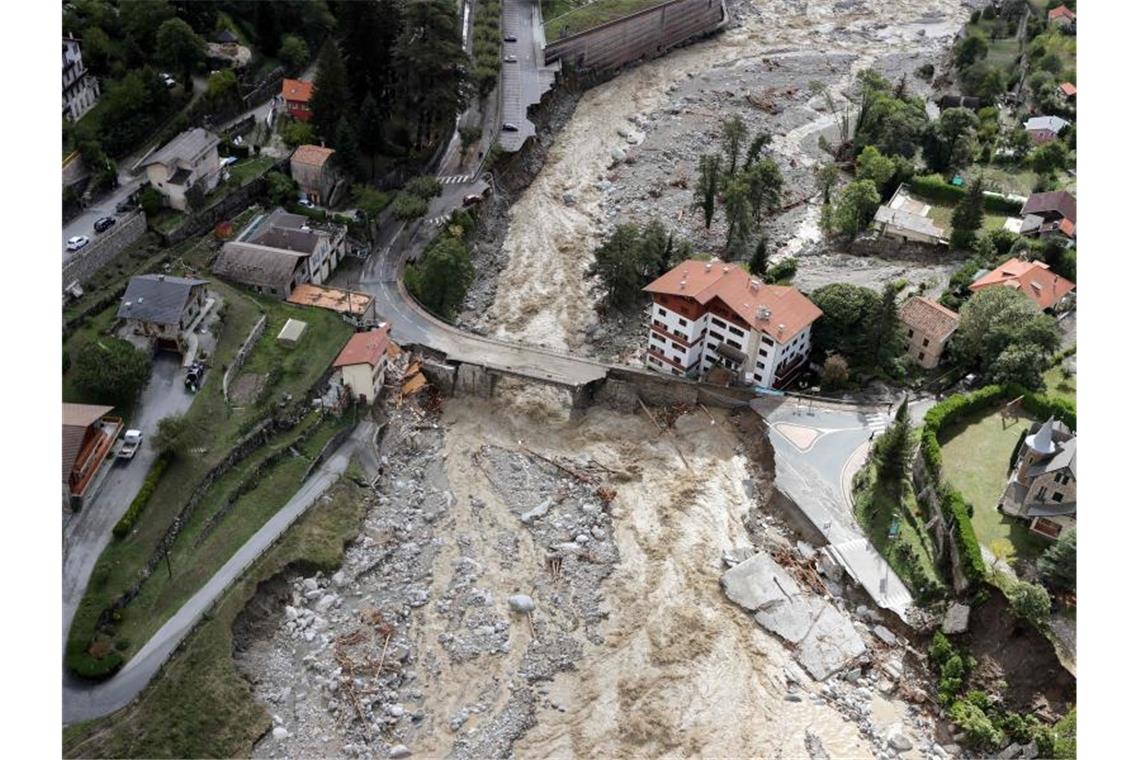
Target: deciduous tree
x=856, y=206
x=733, y=133
x=440, y=280
x=1058, y=564
x=994, y=319
x=110, y=371
x=294, y=53
x=179, y=47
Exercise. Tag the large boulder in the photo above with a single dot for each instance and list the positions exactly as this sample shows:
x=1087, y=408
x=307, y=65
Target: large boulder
x=957, y=619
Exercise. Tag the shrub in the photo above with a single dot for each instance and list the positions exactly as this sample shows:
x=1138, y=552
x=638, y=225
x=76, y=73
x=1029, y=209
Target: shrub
x=407, y=207
x=425, y=187
x=834, y=371
x=980, y=730
x=933, y=187
x=1030, y=602
x=957, y=515
x=124, y=526
x=782, y=271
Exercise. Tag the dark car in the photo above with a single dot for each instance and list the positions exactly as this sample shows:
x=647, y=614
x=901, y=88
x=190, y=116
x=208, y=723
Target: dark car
x=471, y=200
x=508, y=127
x=194, y=375
x=510, y=59
x=104, y=224
x=510, y=38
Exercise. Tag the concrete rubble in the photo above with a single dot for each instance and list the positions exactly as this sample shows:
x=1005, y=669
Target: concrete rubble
x=957, y=619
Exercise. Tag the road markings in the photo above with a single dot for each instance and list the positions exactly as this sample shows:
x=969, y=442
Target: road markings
x=878, y=422
x=455, y=179
x=438, y=221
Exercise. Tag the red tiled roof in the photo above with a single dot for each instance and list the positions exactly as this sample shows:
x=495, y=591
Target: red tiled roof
x=1068, y=89
x=1032, y=278
x=312, y=155
x=930, y=318
x=364, y=348
x=705, y=280
x=1068, y=229
x=297, y=90
x=1062, y=11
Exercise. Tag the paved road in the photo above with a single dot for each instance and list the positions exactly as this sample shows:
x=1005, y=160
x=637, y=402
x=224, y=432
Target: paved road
x=523, y=83
x=84, y=701
x=818, y=450
x=87, y=533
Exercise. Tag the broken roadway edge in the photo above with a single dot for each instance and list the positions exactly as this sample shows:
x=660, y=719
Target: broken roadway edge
x=85, y=702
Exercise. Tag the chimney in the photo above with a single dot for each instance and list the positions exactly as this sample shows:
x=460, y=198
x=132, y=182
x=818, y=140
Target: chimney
x=724, y=269
x=779, y=331
x=708, y=265
x=753, y=285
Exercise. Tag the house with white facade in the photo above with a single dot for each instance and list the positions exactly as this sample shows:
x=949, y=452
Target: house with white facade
x=80, y=89
x=710, y=314
x=189, y=160
x=907, y=219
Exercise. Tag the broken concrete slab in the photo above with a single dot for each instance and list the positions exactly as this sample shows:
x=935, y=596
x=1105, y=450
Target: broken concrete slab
x=791, y=621
x=885, y=635
x=957, y=618
x=757, y=582
x=831, y=643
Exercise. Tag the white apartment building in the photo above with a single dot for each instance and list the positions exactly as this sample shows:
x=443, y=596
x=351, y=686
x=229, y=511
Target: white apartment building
x=708, y=314
x=80, y=89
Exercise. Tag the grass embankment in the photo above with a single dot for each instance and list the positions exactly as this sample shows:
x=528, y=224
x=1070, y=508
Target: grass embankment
x=590, y=15
x=910, y=554
x=199, y=705
x=975, y=456
x=217, y=427
x=1059, y=386
x=941, y=214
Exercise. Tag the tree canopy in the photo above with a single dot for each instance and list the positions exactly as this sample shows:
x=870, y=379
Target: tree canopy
x=848, y=321
x=441, y=278
x=993, y=319
x=110, y=371
x=630, y=257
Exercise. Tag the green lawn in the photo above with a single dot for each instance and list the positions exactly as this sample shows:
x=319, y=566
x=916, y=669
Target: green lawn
x=591, y=15
x=245, y=171
x=941, y=214
x=199, y=705
x=218, y=426
x=975, y=459
x=1057, y=385
x=876, y=506
x=1013, y=180
x=1003, y=53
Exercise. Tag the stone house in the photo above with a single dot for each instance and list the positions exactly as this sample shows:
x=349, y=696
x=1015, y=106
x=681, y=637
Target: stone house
x=1043, y=129
x=929, y=326
x=162, y=308
x=1042, y=487
x=279, y=251
x=312, y=168
x=188, y=161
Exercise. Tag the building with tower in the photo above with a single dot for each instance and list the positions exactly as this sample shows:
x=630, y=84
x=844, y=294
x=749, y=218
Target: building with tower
x=1042, y=488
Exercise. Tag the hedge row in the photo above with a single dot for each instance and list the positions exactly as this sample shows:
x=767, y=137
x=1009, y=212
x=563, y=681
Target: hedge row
x=123, y=527
x=934, y=188
x=955, y=509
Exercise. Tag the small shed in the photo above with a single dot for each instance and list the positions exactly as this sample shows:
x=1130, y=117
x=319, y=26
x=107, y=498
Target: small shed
x=291, y=333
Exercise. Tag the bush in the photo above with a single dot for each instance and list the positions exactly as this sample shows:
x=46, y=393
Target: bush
x=834, y=371
x=980, y=730
x=782, y=271
x=1030, y=602
x=424, y=187
x=124, y=526
x=407, y=207
x=111, y=371
x=956, y=512
x=93, y=668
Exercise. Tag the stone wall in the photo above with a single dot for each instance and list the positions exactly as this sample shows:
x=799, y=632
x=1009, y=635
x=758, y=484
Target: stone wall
x=234, y=202
x=873, y=244
x=646, y=34
x=99, y=252
x=242, y=355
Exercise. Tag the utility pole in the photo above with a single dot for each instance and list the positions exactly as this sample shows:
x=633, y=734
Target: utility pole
x=166, y=554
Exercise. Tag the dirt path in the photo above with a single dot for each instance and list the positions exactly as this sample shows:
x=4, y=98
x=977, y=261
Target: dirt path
x=543, y=296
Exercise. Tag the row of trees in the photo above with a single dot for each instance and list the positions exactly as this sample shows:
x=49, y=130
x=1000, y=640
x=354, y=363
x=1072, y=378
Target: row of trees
x=633, y=256
x=749, y=183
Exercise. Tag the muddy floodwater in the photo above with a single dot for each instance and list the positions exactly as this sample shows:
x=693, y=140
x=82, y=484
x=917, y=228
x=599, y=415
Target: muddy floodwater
x=664, y=111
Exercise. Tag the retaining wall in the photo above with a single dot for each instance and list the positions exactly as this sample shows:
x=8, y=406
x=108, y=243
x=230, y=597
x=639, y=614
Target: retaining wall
x=237, y=200
x=646, y=34
x=242, y=354
x=102, y=249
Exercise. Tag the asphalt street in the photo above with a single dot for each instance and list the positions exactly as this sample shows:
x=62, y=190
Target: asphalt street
x=524, y=81
x=88, y=532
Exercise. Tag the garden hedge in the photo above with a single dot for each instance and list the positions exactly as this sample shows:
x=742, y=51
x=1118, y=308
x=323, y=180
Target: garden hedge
x=934, y=188
x=955, y=509
x=123, y=527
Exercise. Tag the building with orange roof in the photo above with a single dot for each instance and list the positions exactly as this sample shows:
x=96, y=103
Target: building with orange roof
x=1063, y=17
x=360, y=364
x=297, y=93
x=1033, y=278
x=709, y=314
x=1067, y=90
x=929, y=326
x=312, y=168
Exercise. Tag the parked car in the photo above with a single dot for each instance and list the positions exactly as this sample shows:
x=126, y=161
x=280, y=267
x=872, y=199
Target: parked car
x=508, y=127
x=306, y=203
x=228, y=160
x=124, y=206
x=77, y=242
x=194, y=375
x=132, y=439
x=510, y=59
x=168, y=80
x=471, y=200
x=510, y=38
x=104, y=224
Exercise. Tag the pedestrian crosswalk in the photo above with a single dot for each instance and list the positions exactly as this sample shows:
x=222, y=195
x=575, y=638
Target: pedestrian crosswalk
x=455, y=179
x=878, y=422
x=438, y=221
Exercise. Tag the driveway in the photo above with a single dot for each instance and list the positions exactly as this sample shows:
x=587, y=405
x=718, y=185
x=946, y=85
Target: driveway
x=87, y=533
